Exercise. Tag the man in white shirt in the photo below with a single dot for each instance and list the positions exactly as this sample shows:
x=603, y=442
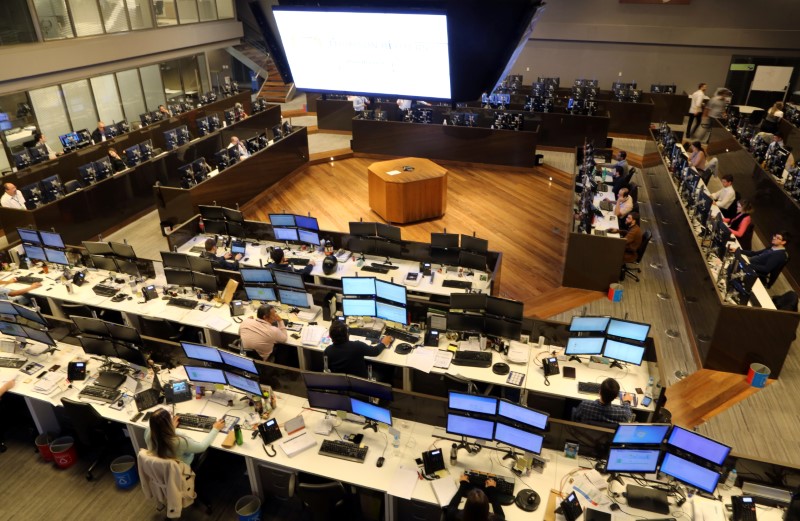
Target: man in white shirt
x=359, y=103
x=624, y=204
x=240, y=148
x=725, y=197
x=260, y=334
x=12, y=198
x=404, y=104
x=39, y=138
x=696, y=109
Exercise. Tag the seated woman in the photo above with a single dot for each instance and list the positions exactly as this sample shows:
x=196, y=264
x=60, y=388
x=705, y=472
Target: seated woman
x=697, y=158
x=773, y=117
x=739, y=223
x=477, y=506
x=162, y=440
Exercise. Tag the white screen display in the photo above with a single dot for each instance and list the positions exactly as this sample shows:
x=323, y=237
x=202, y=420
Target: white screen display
x=285, y=234
x=243, y=384
x=199, y=352
x=523, y=415
x=623, y=352
x=388, y=291
x=472, y=403
x=518, y=438
x=372, y=53
x=298, y=299
x=358, y=285
x=308, y=237
x=392, y=313
x=353, y=307
x=239, y=362
x=585, y=345
x=264, y=294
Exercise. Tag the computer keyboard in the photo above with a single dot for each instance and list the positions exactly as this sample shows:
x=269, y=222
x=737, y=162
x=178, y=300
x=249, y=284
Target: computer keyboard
x=473, y=358
x=399, y=334
x=460, y=284
x=299, y=261
x=600, y=233
x=187, y=303
x=478, y=479
x=343, y=450
x=12, y=363
x=104, y=290
x=383, y=266
x=100, y=394
x=369, y=334
x=196, y=422
x=28, y=280
x=606, y=205
x=588, y=387
x=375, y=269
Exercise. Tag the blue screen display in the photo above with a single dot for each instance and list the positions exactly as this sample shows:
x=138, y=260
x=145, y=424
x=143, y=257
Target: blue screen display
x=201, y=352
x=588, y=345
x=239, y=362
x=640, y=434
x=471, y=427
x=205, y=374
x=309, y=223
x=632, y=460
x=690, y=473
x=257, y=293
x=34, y=252
x=522, y=414
x=30, y=236
x=518, y=438
x=358, y=286
x=373, y=412
x=243, y=384
x=698, y=445
x=623, y=352
x=56, y=256
x=594, y=324
x=355, y=307
x=472, y=403
x=285, y=234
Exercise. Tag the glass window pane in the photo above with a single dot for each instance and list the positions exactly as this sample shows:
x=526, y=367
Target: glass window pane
x=53, y=19
x=187, y=11
x=224, y=9
x=165, y=12
x=201, y=65
x=86, y=17
x=80, y=105
x=114, y=16
x=16, y=122
x=139, y=13
x=16, y=25
x=131, y=91
x=51, y=114
x=153, y=88
x=208, y=10
x=106, y=98
x=171, y=74
x=190, y=77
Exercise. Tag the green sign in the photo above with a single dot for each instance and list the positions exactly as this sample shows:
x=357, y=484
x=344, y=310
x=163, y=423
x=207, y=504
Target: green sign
x=743, y=67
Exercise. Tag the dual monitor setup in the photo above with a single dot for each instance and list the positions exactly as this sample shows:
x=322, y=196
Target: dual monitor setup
x=371, y=297
x=622, y=341
x=177, y=137
x=218, y=220
x=267, y=285
x=113, y=257
x=113, y=342
x=470, y=253
x=139, y=153
x=43, y=246
x=479, y=313
x=189, y=271
x=12, y=311
x=83, y=138
x=688, y=457
x=42, y=192
x=340, y=392
x=217, y=366
x=295, y=229
x=194, y=173
x=95, y=171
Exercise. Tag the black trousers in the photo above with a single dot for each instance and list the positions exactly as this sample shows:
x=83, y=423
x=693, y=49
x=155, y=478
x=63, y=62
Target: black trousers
x=693, y=118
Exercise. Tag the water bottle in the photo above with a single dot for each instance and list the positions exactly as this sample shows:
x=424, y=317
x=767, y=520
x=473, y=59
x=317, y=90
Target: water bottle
x=396, y=441
x=730, y=482
x=238, y=434
x=454, y=454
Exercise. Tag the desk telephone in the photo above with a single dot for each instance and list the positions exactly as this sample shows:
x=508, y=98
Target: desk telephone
x=550, y=366
x=744, y=508
x=571, y=508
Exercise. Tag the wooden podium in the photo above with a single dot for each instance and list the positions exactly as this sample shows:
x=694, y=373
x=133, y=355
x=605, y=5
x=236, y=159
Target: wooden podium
x=407, y=190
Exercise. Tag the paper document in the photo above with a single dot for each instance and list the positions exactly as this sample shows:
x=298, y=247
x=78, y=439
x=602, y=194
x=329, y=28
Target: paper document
x=443, y=359
x=444, y=489
x=421, y=359
x=393, y=172
x=518, y=353
x=312, y=335
x=403, y=483
x=218, y=323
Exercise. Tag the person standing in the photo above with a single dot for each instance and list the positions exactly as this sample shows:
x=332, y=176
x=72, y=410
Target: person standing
x=696, y=109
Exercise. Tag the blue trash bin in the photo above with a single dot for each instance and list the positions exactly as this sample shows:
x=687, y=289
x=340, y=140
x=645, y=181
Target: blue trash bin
x=249, y=508
x=125, y=473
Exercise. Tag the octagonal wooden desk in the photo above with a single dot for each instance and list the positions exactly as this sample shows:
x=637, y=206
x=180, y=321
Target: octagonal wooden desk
x=407, y=190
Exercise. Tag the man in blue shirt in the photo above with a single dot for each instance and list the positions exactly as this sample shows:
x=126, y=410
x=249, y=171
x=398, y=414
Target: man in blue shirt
x=602, y=410
x=220, y=261
x=768, y=260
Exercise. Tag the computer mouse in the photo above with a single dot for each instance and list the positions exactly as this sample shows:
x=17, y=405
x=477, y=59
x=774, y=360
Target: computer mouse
x=120, y=403
x=246, y=259
x=500, y=368
x=614, y=506
x=403, y=349
x=380, y=461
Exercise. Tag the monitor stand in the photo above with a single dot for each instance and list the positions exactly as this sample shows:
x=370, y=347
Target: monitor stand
x=575, y=358
x=370, y=424
x=645, y=498
x=616, y=363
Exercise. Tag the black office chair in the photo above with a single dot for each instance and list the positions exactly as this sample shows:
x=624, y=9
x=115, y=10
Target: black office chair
x=72, y=186
x=746, y=240
x=325, y=501
x=91, y=429
x=162, y=328
x=277, y=483
x=80, y=310
x=633, y=191
x=773, y=275
x=418, y=510
x=730, y=212
x=631, y=271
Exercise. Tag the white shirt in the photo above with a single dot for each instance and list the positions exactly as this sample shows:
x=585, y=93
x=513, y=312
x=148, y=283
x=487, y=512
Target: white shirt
x=725, y=197
x=18, y=201
x=697, y=101
x=404, y=104
x=359, y=103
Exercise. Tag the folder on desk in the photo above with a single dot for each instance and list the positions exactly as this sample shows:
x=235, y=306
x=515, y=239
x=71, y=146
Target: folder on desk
x=444, y=489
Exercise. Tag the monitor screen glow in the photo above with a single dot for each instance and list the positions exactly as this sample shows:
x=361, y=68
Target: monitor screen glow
x=587, y=345
x=205, y=374
x=640, y=434
x=29, y=236
x=257, y=275
x=34, y=252
x=518, y=438
x=309, y=223
x=391, y=292
x=380, y=53
x=629, y=330
x=358, y=286
x=260, y=293
x=308, y=237
x=281, y=219
x=470, y=427
x=201, y=352
x=623, y=352
x=372, y=412
x=288, y=279
x=593, y=324
x=294, y=298
x=243, y=384
x=56, y=256
x=472, y=403
x=353, y=307
x=285, y=234
x=632, y=460
x=690, y=473
x=239, y=362
x=522, y=414
x=392, y=313
x=698, y=445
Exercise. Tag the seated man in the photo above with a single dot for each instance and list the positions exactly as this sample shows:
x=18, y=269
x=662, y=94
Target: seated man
x=633, y=237
x=624, y=204
x=602, y=409
x=16, y=295
x=768, y=260
x=622, y=160
x=220, y=261
x=280, y=262
x=99, y=134
x=239, y=147
x=346, y=356
x=619, y=179
x=12, y=198
x=260, y=334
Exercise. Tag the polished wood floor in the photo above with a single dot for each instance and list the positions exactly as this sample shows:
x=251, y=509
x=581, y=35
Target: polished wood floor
x=523, y=214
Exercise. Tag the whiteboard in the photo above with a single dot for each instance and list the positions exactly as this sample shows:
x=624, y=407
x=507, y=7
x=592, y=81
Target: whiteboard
x=773, y=79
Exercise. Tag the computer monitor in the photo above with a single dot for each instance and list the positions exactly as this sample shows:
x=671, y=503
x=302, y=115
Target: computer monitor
x=12, y=329
x=369, y=388
x=586, y=345
x=288, y=279
x=133, y=155
x=236, y=229
x=514, y=413
x=466, y=323
x=212, y=212
x=7, y=308
x=171, y=139
x=307, y=222
x=371, y=412
x=470, y=427
x=392, y=313
x=175, y=260
x=358, y=286
x=103, y=263
x=223, y=159
x=447, y=256
x=388, y=249
x=97, y=248
x=28, y=314
x=690, y=473
x=358, y=307
x=444, y=240
x=92, y=326
x=215, y=227
x=34, y=252
x=184, y=136
x=123, y=333
x=632, y=460
x=285, y=234
x=294, y=298
x=468, y=301
x=38, y=153
x=128, y=267
x=640, y=433
x=277, y=133
x=257, y=276
x=39, y=336
x=698, y=445
x=308, y=237
x=204, y=281
x=187, y=175
x=146, y=149
x=68, y=140
x=238, y=362
x=282, y=219
x=362, y=229
x=628, y=330
x=130, y=354
x=97, y=346
x=56, y=256
x=88, y=173
x=205, y=374
x=326, y=381
x=51, y=188
x=502, y=327
x=52, y=239
x=474, y=244
x=518, y=438
x=202, y=126
x=328, y=401
x=247, y=385
x=22, y=159
x=261, y=293
x=200, y=265
x=230, y=116
x=588, y=324
x=391, y=292
x=503, y=307
x=472, y=403
x=474, y=261
x=388, y=231
x=623, y=351
x=178, y=277
x=29, y=236
x=122, y=250
x=201, y=352
x=252, y=144
x=233, y=215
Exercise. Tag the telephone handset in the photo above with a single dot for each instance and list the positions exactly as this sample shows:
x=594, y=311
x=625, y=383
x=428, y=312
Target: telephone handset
x=551, y=366
x=149, y=293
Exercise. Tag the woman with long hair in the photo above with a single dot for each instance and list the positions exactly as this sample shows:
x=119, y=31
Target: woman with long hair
x=163, y=441
x=739, y=223
x=773, y=117
x=477, y=506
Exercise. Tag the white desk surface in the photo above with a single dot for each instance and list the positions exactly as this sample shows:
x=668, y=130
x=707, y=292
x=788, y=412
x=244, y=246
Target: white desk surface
x=609, y=221
x=747, y=109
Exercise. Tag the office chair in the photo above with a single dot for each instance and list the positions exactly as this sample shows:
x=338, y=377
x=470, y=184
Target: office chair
x=418, y=511
x=756, y=116
x=326, y=501
x=632, y=270
x=633, y=191
x=158, y=474
x=81, y=310
x=90, y=428
x=773, y=275
x=730, y=212
x=72, y=186
x=746, y=240
x=162, y=328
x=277, y=483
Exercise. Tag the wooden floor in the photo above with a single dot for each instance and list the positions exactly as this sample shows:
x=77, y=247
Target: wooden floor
x=520, y=213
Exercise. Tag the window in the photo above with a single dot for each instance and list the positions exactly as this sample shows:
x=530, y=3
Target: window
x=51, y=114
x=139, y=14
x=130, y=89
x=53, y=19
x=207, y=9
x=80, y=105
x=165, y=12
x=224, y=9
x=114, y=17
x=86, y=17
x=16, y=25
x=187, y=11
x=153, y=87
x=106, y=98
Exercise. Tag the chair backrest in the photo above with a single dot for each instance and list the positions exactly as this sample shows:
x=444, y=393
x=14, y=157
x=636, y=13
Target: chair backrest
x=277, y=483
x=633, y=191
x=159, y=328
x=643, y=247
x=746, y=240
x=773, y=275
x=322, y=499
x=84, y=419
x=71, y=186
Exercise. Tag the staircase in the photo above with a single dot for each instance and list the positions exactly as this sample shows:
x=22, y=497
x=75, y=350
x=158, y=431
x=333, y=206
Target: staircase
x=257, y=59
